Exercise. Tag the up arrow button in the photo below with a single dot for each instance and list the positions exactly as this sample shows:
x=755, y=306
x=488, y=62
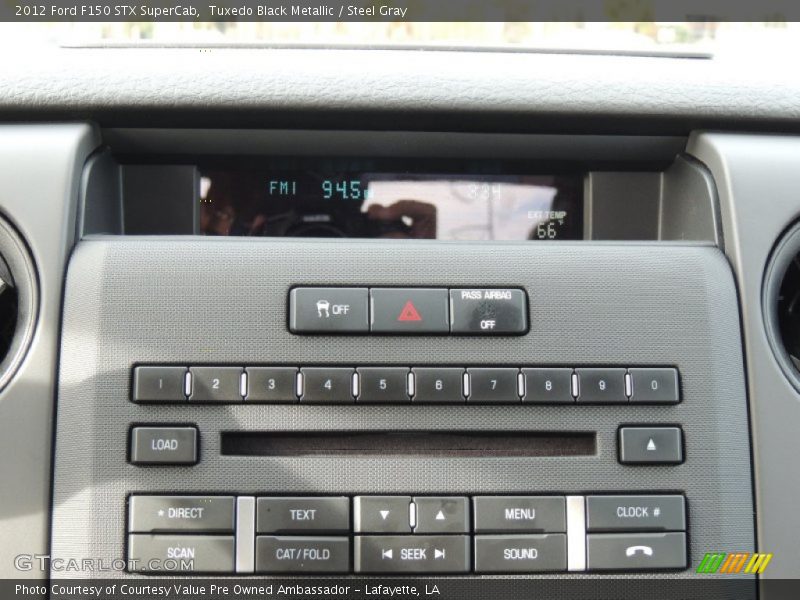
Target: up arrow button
x=650, y=445
x=441, y=514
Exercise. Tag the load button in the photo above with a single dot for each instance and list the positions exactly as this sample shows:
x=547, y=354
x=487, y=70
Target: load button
x=488, y=311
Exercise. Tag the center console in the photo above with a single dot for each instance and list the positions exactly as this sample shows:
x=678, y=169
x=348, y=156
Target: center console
x=272, y=363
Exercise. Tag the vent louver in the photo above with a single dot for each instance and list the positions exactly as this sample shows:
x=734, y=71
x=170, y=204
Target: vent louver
x=18, y=301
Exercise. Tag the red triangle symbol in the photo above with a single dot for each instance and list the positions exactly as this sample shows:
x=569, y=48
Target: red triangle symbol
x=409, y=313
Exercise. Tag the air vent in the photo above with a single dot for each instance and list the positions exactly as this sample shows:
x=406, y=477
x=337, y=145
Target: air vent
x=18, y=301
x=781, y=303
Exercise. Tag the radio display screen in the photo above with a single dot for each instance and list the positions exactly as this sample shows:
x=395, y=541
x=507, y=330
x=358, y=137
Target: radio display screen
x=364, y=203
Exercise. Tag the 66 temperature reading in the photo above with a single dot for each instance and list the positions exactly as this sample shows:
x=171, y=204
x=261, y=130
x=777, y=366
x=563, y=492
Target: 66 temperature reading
x=546, y=231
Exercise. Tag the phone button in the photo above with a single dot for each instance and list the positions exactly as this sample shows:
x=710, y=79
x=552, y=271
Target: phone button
x=636, y=552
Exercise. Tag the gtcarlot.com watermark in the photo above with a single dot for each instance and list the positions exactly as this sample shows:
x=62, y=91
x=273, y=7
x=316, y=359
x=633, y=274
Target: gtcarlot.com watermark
x=47, y=563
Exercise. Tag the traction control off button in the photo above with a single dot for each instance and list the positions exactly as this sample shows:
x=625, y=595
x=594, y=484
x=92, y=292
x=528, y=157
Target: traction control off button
x=328, y=310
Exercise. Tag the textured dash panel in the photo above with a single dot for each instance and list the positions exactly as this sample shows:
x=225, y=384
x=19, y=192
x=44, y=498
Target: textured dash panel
x=223, y=301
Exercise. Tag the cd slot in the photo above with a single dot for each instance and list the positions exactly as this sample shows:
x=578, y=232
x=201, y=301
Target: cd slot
x=461, y=444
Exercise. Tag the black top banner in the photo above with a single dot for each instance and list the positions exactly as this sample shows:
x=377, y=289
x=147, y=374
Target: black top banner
x=508, y=11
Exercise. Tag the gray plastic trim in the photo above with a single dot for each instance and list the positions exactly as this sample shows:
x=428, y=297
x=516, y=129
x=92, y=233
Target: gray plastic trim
x=379, y=144
x=758, y=178
x=39, y=183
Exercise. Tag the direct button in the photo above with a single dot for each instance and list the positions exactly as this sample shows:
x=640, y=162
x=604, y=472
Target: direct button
x=328, y=310
x=382, y=514
x=409, y=310
x=210, y=514
x=520, y=553
x=635, y=551
x=412, y=553
x=164, y=445
x=635, y=513
x=519, y=514
x=488, y=311
x=441, y=514
x=296, y=554
x=181, y=553
x=643, y=445
x=302, y=515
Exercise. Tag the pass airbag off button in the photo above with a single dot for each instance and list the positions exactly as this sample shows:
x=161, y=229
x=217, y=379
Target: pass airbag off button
x=488, y=311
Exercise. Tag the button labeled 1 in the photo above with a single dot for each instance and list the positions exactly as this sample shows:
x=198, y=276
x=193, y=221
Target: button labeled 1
x=158, y=384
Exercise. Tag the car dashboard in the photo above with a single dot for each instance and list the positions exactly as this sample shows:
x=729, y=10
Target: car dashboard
x=502, y=324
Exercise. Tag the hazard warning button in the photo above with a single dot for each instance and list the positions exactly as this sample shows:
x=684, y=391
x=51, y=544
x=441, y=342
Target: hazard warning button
x=409, y=310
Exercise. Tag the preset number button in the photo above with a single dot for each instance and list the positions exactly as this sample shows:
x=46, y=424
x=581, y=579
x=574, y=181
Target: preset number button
x=271, y=384
x=327, y=385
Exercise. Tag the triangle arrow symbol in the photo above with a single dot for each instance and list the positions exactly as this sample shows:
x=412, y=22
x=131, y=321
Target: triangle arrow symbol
x=386, y=553
x=409, y=313
x=651, y=445
x=384, y=514
x=438, y=553
x=440, y=516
